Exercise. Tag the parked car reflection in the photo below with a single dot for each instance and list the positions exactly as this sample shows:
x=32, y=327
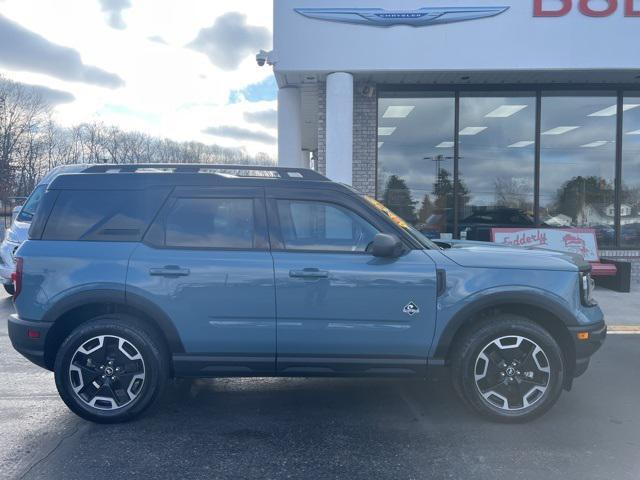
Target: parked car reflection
x=478, y=225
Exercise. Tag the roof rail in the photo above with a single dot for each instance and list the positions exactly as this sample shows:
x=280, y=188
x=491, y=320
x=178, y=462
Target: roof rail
x=259, y=171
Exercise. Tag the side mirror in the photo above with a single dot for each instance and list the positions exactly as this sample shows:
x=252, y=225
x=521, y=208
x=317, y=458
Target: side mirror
x=386, y=246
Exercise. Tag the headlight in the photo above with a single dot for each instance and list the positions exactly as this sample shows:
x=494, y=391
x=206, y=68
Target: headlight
x=586, y=290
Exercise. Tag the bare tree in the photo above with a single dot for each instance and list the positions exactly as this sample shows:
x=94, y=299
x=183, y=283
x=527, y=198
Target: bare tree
x=513, y=193
x=31, y=143
x=22, y=112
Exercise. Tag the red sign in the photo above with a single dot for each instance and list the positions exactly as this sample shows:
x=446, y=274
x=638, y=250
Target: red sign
x=564, y=7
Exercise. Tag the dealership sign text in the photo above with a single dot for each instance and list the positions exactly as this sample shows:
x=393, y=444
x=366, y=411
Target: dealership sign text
x=591, y=8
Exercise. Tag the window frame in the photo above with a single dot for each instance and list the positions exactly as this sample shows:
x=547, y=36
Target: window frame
x=326, y=196
x=319, y=203
x=50, y=201
x=156, y=235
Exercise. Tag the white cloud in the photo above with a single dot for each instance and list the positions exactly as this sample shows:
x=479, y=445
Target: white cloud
x=113, y=9
x=22, y=49
x=157, y=39
x=267, y=118
x=230, y=40
x=169, y=90
x=240, y=133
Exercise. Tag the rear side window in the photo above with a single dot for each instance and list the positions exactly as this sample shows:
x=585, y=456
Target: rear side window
x=211, y=223
x=29, y=209
x=103, y=215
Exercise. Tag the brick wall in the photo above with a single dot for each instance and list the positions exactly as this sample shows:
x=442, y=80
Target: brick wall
x=365, y=136
x=321, y=160
x=632, y=256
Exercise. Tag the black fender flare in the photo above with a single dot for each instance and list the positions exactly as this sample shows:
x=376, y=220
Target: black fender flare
x=125, y=299
x=496, y=300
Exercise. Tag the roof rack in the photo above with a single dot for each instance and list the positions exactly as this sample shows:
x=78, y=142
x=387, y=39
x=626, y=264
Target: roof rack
x=257, y=171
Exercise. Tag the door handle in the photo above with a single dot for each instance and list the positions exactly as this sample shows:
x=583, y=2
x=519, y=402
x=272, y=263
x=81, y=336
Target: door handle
x=169, y=271
x=309, y=273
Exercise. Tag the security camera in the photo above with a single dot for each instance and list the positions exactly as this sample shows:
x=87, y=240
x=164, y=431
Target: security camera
x=262, y=57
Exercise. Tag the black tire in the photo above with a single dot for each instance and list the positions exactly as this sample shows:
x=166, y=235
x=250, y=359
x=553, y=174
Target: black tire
x=140, y=341
x=467, y=364
x=9, y=289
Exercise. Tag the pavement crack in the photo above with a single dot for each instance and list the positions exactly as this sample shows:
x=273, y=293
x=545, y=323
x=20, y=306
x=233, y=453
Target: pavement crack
x=64, y=438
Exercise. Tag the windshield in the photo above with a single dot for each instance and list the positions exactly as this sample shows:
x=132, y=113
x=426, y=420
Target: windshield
x=415, y=234
x=30, y=207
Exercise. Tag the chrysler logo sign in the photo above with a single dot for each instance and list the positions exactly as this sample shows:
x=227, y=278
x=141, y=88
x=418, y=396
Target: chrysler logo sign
x=387, y=18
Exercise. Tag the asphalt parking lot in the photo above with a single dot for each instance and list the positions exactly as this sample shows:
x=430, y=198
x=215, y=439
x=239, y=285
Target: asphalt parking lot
x=323, y=428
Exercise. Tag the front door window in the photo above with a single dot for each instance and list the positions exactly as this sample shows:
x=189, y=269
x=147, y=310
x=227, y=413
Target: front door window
x=326, y=227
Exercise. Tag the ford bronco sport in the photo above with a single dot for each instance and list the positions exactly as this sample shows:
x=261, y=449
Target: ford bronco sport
x=135, y=274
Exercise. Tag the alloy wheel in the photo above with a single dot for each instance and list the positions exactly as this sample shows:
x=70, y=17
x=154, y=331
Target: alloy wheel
x=512, y=373
x=107, y=372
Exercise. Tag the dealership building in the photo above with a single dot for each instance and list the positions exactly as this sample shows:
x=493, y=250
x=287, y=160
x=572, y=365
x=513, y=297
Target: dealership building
x=451, y=110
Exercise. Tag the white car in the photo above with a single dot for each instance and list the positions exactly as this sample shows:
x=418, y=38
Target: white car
x=19, y=229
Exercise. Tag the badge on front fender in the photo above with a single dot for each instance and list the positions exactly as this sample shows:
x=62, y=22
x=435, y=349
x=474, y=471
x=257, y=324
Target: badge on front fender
x=411, y=309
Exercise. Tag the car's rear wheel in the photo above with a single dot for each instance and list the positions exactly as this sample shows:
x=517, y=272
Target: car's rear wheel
x=110, y=369
x=9, y=289
x=509, y=369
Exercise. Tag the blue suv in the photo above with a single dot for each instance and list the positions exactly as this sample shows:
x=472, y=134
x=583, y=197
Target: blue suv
x=135, y=274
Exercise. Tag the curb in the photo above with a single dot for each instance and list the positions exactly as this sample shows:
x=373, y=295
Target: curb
x=623, y=330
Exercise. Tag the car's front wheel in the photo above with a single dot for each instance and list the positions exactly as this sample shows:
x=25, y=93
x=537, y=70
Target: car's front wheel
x=110, y=369
x=509, y=369
x=9, y=289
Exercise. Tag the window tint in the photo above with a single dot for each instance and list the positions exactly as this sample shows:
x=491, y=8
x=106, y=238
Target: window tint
x=211, y=223
x=103, y=215
x=323, y=226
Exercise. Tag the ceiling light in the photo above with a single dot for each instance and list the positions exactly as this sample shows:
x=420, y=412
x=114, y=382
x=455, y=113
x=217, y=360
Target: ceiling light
x=386, y=131
x=559, y=130
x=380, y=144
x=505, y=111
x=635, y=132
x=445, y=145
x=398, y=111
x=472, y=130
x=598, y=143
x=613, y=109
x=522, y=144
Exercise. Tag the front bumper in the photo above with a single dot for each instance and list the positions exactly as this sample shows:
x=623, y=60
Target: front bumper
x=586, y=348
x=21, y=333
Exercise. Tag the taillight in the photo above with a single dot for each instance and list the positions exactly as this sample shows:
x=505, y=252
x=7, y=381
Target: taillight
x=17, y=277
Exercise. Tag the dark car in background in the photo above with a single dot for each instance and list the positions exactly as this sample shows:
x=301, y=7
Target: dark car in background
x=478, y=225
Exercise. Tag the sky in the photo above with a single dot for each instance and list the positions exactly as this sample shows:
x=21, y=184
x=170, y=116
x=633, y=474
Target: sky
x=181, y=69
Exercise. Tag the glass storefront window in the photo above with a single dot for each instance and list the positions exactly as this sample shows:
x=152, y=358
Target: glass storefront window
x=415, y=159
x=497, y=133
x=630, y=197
x=497, y=163
x=577, y=164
